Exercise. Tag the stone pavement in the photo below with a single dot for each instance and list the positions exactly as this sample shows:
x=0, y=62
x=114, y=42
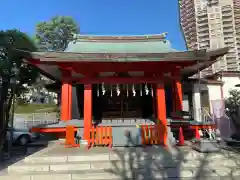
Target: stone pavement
x=56, y=162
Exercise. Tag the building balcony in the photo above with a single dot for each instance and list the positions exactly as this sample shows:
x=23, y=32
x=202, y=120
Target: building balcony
x=203, y=30
x=203, y=25
x=227, y=15
x=236, y=9
x=228, y=30
x=226, y=9
x=203, y=35
x=231, y=56
x=201, y=40
x=227, y=20
x=228, y=40
x=213, y=3
x=202, y=13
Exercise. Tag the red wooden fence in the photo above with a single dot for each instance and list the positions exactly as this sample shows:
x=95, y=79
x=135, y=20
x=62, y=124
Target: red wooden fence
x=100, y=136
x=154, y=134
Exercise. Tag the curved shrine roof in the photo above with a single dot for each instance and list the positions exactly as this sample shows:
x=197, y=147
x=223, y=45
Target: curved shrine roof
x=125, y=50
x=120, y=44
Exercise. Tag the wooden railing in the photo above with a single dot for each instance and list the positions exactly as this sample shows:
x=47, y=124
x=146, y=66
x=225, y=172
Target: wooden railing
x=154, y=134
x=100, y=136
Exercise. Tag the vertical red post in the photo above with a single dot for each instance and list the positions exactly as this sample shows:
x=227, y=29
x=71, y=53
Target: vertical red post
x=161, y=110
x=66, y=98
x=87, y=110
x=154, y=101
x=177, y=93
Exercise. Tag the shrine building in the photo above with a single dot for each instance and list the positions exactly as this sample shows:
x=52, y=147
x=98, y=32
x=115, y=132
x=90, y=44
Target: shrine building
x=120, y=80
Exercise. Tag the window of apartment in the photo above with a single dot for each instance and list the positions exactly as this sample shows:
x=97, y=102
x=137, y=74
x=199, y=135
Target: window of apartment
x=217, y=9
x=210, y=10
x=211, y=16
x=218, y=16
x=214, y=44
x=213, y=26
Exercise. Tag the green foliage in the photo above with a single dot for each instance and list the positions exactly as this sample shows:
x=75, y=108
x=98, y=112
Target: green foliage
x=56, y=34
x=14, y=72
x=34, y=108
x=232, y=103
x=12, y=42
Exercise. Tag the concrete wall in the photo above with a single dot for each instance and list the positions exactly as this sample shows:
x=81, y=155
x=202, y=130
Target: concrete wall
x=214, y=94
x=229, y=84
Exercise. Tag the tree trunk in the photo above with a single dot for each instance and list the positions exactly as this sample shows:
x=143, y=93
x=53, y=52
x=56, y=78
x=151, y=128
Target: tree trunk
x=8, y=107
x=3, y=121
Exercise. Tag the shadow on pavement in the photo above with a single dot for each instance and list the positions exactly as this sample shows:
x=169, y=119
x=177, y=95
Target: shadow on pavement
x=157, y=162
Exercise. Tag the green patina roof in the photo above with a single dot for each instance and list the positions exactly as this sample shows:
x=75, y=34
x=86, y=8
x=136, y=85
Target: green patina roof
x=120, y=44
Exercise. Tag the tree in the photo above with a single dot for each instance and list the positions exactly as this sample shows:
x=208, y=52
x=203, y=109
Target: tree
x=12, y=45
x=232, y=104
x=55, y=34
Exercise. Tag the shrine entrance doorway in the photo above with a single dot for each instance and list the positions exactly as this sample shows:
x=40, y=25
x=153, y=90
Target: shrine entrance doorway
x=129, y=103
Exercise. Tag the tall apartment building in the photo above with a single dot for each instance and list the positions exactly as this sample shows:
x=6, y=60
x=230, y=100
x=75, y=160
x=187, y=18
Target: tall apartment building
x=211, y=24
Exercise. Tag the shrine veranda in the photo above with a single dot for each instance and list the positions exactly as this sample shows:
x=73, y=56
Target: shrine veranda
x=119, y=81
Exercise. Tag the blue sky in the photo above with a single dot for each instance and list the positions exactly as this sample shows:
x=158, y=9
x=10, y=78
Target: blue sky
x=109, y=17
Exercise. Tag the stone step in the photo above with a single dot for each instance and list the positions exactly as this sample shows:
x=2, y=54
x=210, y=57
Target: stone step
x=188, y=155
x=170, y=173
x=22, y=167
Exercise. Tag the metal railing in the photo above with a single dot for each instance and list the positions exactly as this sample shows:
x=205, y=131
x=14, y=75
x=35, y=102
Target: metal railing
x=30, y=120
x=207, y=117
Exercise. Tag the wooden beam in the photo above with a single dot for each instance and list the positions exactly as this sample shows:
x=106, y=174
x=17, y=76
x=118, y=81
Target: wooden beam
x=116, y=80
x=89, y=68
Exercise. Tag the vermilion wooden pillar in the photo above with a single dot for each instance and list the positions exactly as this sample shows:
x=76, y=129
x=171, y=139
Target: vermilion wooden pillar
x=87, y=110
x=161, y=109
x=66, y=98
x=177, y=95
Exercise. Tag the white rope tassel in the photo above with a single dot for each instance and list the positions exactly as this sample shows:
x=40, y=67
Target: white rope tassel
x=152, y=90
x=127, y=90
x=98, y=91
x=146, y=89
x=118, y=90
x=103, y=89
x=133, y=90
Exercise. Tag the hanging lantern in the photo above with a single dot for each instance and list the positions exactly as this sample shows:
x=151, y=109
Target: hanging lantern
x=111, y=90
x=118, y=90
x=140, y=89
x=127, y=89
x=152, y=90
x=103, y=89
x=146, y=89
x=98, y=91
x=133, y=90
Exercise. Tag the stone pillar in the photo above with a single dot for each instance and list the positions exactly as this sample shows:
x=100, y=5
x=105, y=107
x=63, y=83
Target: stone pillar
x=75, y=111
x=197, y=114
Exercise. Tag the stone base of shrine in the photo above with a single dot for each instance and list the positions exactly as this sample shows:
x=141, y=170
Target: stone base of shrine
x=155, y=162
x=206, y=146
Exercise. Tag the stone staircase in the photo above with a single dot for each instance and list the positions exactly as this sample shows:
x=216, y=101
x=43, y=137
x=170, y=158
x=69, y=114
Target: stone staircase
x=57, y=163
